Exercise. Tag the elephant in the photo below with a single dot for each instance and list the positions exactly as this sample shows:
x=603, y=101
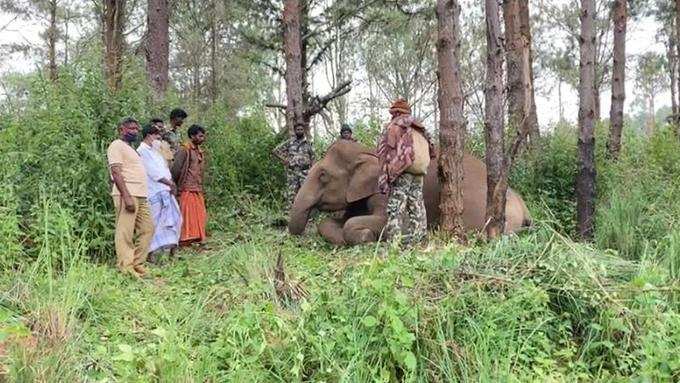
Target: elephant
x=345, y=181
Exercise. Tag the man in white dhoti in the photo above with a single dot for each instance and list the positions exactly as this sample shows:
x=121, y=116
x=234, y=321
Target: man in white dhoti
x=164, y=208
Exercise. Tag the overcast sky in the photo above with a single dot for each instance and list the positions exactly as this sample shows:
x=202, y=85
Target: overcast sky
x=641, y=39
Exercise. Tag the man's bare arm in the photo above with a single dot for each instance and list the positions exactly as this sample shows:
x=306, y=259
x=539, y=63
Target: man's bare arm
x=117, y=175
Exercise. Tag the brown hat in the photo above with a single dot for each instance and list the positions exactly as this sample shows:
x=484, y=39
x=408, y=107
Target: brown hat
x=400, y=105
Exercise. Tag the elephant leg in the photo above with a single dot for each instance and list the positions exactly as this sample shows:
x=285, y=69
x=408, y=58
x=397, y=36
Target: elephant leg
x=331, y=229
x=363, y=229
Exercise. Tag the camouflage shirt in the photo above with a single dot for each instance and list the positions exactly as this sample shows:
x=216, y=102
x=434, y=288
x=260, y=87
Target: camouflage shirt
x=298, y=152
x=173, y=138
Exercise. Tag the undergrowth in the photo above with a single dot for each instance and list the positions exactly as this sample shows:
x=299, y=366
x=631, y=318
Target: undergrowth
x=537, y=307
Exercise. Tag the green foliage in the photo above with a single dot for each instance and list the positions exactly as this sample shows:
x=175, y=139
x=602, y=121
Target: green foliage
x=545, y=179
x=240, y=159
x=54, y=143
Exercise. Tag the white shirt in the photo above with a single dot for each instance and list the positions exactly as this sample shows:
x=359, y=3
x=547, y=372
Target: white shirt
x=156, y=168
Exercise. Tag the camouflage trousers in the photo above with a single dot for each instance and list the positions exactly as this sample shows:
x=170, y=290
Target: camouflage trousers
x=406, y=215
x=295, y=177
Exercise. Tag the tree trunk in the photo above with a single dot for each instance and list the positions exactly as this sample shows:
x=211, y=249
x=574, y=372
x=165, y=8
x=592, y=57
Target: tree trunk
x=521, y=101
x=596, y=101
x=292, y=47
x=559, y=99
x=677, y=47
x=451, y=121
x=514, y=60
x=52, y=41
x=214, y=38
x=620, y=13
x=113, y=22
x=651, y=118
x=158, y=48
x=495, y=152
x=585, y=182
x=525, y=30
x=672, y=59
x=67, y=20
x=673, y=75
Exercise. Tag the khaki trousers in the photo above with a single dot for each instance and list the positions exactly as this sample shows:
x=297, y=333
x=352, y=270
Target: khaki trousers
x=128, y=225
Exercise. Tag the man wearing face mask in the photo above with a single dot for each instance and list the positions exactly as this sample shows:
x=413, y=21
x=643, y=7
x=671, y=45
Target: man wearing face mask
x=130, y=194
x=164, y=208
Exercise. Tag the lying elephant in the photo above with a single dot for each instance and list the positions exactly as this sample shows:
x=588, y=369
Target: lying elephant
x=346, y=180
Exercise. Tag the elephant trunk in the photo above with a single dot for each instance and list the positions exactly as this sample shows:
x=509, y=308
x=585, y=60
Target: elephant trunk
x=298, y=215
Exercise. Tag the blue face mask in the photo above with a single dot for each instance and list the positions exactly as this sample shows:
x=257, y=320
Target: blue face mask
x=130, y=137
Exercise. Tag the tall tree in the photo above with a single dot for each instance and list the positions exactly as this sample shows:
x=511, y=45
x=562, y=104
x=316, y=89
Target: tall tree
x=650, y=80
x=521, y=103
x=113, y=24
x=158, y=46
x=620, y=16
x=585, y=182
x=672, y=60
x=452, y=121
x=525, y=31
x=292, y=48
x=52, y=32
x=494, y=132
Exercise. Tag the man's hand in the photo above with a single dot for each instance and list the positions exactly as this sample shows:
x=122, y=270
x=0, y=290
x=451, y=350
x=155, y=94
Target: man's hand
x=129, y=203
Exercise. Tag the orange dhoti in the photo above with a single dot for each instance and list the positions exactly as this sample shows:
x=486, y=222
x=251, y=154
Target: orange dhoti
x=194, y=217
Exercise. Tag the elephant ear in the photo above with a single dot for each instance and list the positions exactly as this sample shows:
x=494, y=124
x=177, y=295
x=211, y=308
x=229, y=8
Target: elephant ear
x=364, y=180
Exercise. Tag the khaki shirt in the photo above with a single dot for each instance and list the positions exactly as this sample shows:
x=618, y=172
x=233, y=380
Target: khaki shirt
x=122, y=154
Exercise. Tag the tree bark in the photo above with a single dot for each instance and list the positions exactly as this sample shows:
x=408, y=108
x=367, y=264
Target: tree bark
x=452, y=121
x=620, y=14
x=585, y=182
x=214, y=38
x=521, y=101
x=113, y=22
x=677, y=47
x=493, y=123
x=673, y=75
x=651, y=118
x=52, y=41
x=158, y=46
x=596, y=101
x=525, y=30
x=292, y=47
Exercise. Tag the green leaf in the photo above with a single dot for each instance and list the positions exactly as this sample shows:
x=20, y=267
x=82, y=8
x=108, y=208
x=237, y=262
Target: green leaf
x=369, y=321
x=160, y=332
x=410, y=360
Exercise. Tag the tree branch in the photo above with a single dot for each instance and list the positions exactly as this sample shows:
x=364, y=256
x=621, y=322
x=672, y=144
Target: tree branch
x=317, y=104
x=273, y=105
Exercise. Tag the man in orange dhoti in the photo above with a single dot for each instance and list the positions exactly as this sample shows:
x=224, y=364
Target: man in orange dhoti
x=187, y=172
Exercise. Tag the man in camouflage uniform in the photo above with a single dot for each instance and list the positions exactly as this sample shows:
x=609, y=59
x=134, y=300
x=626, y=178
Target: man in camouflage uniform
x=346, y=133
x=297, y=155
x=172, y=136
x=404, y=152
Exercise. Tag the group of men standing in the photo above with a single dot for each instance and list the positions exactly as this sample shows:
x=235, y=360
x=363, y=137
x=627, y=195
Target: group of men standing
x=404, y=152
x=157, y=189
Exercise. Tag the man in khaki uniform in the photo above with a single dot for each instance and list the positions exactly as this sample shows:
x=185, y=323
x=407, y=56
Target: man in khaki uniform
x=130, y=198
